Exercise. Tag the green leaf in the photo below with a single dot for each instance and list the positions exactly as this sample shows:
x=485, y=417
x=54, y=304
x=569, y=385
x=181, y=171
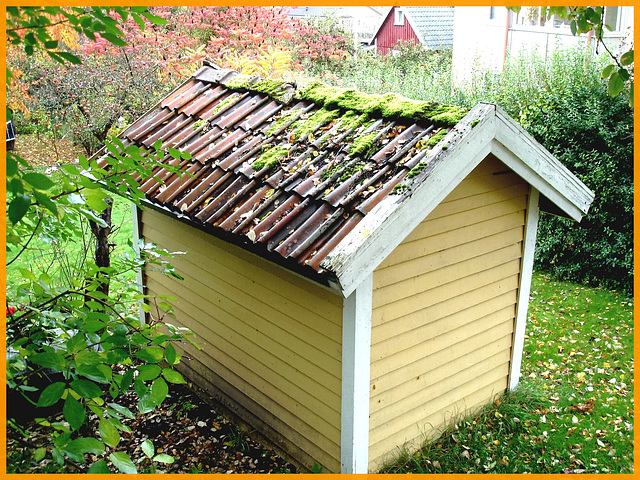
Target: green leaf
x=76, y=343
x=97, y=373
x=146, y=403
x=624, y=74
x=99, y=467
x=18, y=207
x=170, y=354
x=73, y=412
x=88, y=357
x=46, y=202
x=38, y=181
x=52, y=360
x=109, y=433
x=51, y=394
x=78, y=447
x=626, y=59
x=172, y=376
x=154, y=19
x=616, y=84
x=150, y=354
x=95, y=199
x=39, y=454
x=148, y=448
x=163, y=458
x=608, y=70
x=122, y=410
x=574, y=27
x=159, y=390
x=148, y=372
x=69, y=57
x=12, y=167
x=123, y=463
x=86, y=388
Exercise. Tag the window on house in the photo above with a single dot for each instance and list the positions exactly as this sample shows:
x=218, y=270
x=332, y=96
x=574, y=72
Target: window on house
x=492, y=13
x=612, y=18
x=398, y=18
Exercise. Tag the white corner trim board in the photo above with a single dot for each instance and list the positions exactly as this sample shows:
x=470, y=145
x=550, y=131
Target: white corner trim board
x=356, y=355
x=137, y=236
x=526, y=271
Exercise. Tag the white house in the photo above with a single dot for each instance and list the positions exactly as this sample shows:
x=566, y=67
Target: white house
x=483, y=36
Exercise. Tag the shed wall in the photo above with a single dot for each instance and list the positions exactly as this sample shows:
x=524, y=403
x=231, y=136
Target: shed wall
x=444, y=305
x=271, y=341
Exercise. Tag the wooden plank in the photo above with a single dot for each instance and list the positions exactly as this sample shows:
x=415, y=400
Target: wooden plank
x=412, y=437
x=394, y=301
x=453, y=254
x=422, y=420
x=273, y=387
x=245, y=291
x=431, y=327
x=269, y=348
x=468, y=218
x=277, y=278
x=506, y=192
x=258, y=418
x=299, y=429
x=393, y=370
x=424, y=373
x=410, y=406
x=423, y=247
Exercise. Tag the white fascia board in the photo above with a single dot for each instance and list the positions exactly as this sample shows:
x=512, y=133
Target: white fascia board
x=356, y=356
x=389, y=223
x=526, y=272
x=535, y=164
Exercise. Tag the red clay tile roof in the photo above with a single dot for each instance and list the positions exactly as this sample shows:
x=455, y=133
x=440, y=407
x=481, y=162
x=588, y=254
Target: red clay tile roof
x=286, y=179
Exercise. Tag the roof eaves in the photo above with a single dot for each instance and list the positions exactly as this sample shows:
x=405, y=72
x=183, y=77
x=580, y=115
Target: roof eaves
x=376, y=236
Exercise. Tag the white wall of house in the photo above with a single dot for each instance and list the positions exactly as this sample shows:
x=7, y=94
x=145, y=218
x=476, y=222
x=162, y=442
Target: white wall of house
x=481, y=37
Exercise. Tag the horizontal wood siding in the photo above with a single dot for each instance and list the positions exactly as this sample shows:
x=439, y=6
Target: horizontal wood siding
x=444, y=307
x=271, y=341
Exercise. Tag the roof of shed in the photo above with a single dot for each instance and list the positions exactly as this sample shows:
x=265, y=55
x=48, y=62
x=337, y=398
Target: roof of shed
x=295, y=174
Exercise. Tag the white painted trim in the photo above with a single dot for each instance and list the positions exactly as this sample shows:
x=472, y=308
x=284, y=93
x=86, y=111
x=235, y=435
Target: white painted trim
x=137, y=236
x=356, y=356
x=526, y=271
x=384, y=228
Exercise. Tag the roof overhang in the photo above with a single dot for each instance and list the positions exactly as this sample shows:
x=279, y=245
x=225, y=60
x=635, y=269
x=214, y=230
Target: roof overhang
x=485, y=129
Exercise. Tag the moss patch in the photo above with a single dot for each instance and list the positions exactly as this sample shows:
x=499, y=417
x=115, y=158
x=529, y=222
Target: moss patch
x=389, y=105
x=321, y=117
x=224, y=104
x=280, y=122
x=276, y=89
x=362, y=144
x=436, y=137
x=270, y=157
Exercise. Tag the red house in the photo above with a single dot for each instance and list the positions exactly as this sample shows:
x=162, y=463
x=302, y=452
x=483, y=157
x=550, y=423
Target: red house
x=429, y=26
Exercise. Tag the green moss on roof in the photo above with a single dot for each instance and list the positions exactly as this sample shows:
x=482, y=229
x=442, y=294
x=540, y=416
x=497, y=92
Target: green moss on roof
x=276, y=89
x=321, y=117
x=270, y=157
x=362, y=144
x=387, y=105
x=436, y=137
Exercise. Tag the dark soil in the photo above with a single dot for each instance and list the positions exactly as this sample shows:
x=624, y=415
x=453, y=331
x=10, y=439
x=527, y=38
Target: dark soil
x=191, y=431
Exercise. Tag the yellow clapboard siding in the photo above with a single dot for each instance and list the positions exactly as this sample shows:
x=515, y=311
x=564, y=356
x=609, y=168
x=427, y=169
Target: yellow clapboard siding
x=272, y=276
x=271, y=337
x=446, y=274
x=452, y=404
x=436, y=260
x=286, y=396
x=229, y=283
x=256, y=312
x=436, y=320
x=407, y=251
x=393, y=370
x=465, y=218
x=405, y=306
x=451, y=206
x=386, y=449
x=286, y=362
x=397, y=384
x=411, y=404
x=300, y=433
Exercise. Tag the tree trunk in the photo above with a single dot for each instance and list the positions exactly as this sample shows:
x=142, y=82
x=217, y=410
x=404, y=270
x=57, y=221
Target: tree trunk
x=103, y=248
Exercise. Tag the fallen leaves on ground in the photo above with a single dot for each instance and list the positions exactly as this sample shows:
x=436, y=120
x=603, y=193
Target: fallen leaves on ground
x=44, y=150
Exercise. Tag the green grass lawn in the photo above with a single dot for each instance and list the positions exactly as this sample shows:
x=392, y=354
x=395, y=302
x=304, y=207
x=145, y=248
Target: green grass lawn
x=573, y=410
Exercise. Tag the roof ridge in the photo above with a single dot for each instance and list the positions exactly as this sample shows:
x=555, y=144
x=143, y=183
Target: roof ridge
x=388, y=105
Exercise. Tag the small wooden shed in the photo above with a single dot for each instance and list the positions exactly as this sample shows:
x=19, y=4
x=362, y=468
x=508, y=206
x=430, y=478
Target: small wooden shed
x=358, y=266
